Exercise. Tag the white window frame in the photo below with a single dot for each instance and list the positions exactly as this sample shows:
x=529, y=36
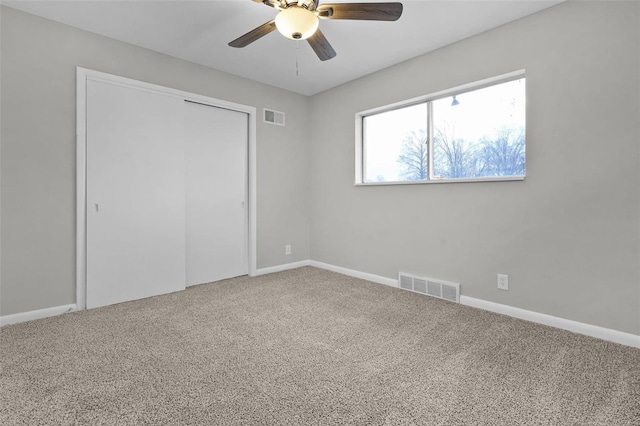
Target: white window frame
x=359, y=166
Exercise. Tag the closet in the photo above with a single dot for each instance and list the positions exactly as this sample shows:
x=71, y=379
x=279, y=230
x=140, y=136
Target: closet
x=166, y=193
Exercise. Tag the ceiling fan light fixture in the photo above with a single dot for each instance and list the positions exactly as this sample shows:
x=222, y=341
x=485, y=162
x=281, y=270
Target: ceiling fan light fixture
x=296, y=23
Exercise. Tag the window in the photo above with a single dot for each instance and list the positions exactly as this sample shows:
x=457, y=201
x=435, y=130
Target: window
x=476, y=132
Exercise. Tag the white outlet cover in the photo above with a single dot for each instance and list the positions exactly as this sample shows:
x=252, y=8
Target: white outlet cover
x=503, y=282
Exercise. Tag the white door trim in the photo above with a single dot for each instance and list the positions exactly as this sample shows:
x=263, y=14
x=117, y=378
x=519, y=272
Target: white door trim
x=82, y=76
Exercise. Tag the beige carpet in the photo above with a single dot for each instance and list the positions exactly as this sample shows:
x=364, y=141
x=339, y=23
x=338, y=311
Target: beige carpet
x=309, y=347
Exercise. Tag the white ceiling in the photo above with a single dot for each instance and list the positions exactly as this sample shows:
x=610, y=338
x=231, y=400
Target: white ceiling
x=198, y=31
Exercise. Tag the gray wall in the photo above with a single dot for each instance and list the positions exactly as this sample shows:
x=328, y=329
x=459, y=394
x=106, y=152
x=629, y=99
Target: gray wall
x=568, y=235
x=38, y=152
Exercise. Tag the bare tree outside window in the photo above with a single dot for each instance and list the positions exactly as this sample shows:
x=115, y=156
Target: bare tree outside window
x=503, y=155
x=414, y=156
x=454, y=158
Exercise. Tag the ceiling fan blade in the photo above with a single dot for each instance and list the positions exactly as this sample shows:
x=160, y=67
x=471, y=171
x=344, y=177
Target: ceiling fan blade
x=270, y=3
x=321, y=46
x=361, y=11
x=254, y=35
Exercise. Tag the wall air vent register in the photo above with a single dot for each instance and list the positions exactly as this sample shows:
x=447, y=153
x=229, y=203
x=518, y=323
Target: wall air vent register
x=429, y=286
x=273, y=117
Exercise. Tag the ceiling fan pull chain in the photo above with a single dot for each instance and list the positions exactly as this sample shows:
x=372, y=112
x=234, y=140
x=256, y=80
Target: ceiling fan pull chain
x=297, y=45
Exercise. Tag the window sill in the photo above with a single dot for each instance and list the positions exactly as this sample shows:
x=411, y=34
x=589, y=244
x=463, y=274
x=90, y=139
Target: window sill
x=438, y=181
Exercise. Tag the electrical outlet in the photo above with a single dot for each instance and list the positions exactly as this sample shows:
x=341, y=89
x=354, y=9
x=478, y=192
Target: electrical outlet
x=287, y=249
x=503, y=282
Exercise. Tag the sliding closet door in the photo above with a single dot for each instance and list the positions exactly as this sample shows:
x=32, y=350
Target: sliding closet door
x=216, y=177
x=135, y=194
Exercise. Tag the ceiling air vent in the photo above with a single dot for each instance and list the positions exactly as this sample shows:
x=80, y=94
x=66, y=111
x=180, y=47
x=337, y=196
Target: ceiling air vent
x=273, y=117
x=429, y=286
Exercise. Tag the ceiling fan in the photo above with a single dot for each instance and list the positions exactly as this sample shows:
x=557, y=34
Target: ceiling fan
x=298, y=20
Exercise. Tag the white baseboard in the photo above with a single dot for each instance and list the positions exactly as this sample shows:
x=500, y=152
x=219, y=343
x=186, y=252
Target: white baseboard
x=615, y=336
x=33, y=315
x=557, y=322
x=279, y=268
x=356, y=274
x=608, y=334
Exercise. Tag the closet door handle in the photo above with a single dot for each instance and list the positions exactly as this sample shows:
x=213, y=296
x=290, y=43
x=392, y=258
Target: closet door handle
x=97, y=208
